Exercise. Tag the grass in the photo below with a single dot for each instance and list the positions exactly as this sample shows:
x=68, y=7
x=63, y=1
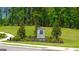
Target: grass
x=13, y=44
x=13, y=30
x=66, y=44
x=69, y=36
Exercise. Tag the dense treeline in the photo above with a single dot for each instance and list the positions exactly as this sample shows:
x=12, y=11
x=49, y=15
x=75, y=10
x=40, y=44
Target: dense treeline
x=41, y=16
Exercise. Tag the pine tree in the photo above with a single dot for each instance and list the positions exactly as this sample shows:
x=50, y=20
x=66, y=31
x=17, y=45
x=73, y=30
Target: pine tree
x=21, y=32
x=56, y=32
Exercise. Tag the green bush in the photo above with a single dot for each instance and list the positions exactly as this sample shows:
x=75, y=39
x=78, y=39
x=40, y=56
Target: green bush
x=2, y=35
x=16, y=38
x=48, y=39
x=21, y=32
x=58, y=41
x=56, y=32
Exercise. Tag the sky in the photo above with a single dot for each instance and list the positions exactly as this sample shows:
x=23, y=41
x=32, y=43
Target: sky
x=3, y=11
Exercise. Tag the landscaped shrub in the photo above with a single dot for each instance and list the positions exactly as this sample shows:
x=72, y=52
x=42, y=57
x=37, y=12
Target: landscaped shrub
x=21, y=32
x=58, y=41
x=16, y=38
x=49, y=40
x=2, y=35
x=61, y=41
x=56, y=32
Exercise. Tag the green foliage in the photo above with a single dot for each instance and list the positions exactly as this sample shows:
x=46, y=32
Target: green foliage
x=2, y=35
x=56, y=32
x=21, y=32
x=16, y=38
x=48, y=39
x=41, y=16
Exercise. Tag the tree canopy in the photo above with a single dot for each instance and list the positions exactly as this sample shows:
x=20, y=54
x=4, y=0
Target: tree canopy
x=41, y=16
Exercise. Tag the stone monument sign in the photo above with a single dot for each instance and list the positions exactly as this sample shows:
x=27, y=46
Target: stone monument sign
x=40, y=34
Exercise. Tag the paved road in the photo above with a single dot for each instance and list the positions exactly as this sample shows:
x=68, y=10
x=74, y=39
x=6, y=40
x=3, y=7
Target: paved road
x=12, y=48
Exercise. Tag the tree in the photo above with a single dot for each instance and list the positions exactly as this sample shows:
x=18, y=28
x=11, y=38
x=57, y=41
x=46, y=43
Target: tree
x=56, y=32
x=21, y=32
x=43, y=16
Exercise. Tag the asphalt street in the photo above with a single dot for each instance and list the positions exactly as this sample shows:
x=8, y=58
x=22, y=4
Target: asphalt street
x=13, y=48
x=4, y=47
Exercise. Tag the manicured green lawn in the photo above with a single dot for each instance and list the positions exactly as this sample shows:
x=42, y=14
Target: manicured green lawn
x=69, y=36
x=13, y=30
